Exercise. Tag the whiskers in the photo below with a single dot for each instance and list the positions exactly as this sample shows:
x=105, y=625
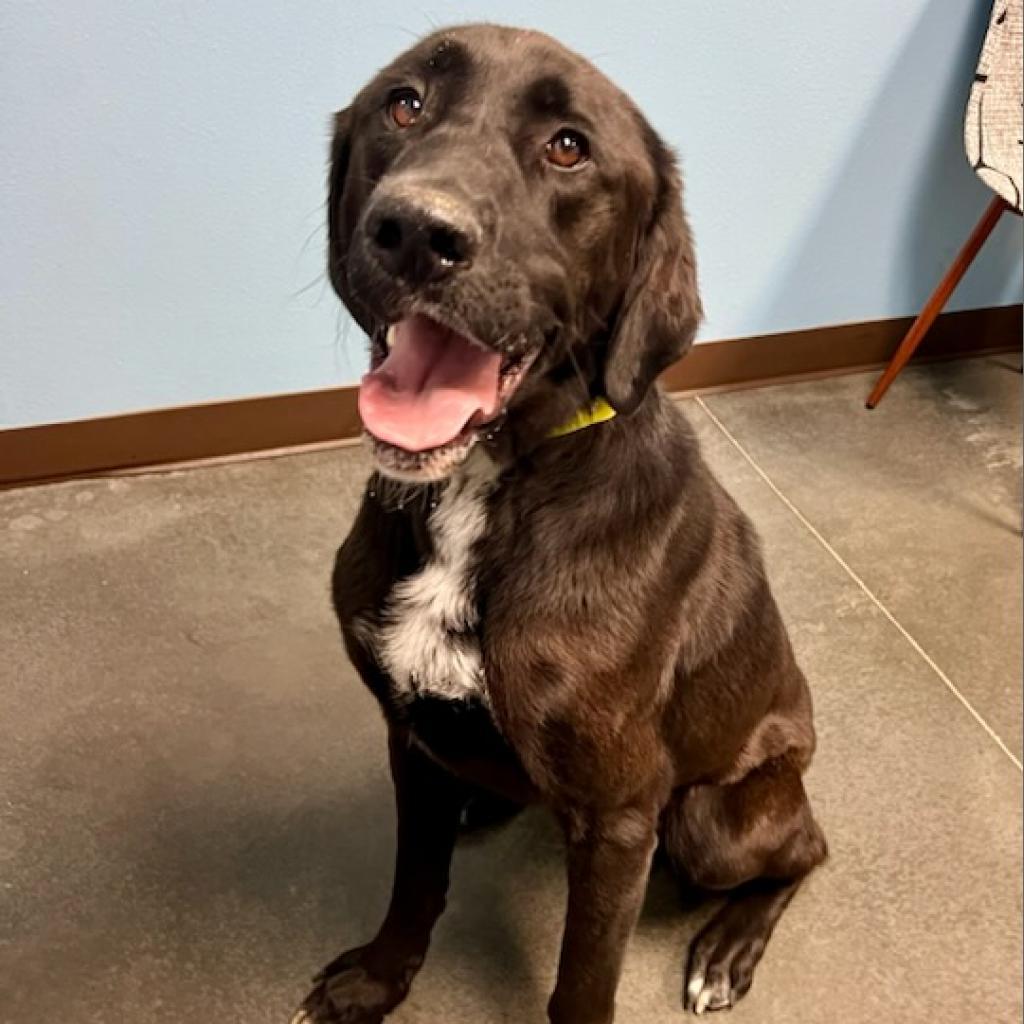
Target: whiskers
x=398, y=495
x=580, y=376
x=318, y=279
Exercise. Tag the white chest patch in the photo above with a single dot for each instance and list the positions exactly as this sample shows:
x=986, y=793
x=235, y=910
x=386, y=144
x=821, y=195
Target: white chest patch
x=428, y=642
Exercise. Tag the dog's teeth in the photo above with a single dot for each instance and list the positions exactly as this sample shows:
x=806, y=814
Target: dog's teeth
x=389, y=338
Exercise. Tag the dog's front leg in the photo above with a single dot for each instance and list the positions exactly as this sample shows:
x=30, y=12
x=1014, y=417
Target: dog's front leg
x=609, y=859
x=364, y=984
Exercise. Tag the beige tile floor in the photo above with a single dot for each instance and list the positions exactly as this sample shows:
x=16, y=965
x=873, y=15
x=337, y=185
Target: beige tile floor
x=194, y=804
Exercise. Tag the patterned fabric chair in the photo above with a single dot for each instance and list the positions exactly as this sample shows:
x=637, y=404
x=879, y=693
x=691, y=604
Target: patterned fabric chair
x=994, y=141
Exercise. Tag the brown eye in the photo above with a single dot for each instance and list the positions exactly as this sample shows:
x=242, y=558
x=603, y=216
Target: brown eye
x=405, y=107
x=567, y=149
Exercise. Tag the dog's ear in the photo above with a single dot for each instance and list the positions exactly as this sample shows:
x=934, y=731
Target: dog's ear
x=341, y=151
x=661, y=310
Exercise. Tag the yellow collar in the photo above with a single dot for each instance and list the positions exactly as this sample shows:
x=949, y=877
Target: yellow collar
x=597, y=411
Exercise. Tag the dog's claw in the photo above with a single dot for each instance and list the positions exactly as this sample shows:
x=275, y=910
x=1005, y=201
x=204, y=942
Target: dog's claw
x=714, y=994
x=347, y=992
x=721, y=968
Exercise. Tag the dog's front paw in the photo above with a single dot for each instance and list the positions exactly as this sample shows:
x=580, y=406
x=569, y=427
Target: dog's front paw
x=348, y=991
x=722, y=966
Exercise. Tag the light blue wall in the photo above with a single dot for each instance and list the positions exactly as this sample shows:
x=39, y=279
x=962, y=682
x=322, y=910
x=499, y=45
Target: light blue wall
x=162, y=165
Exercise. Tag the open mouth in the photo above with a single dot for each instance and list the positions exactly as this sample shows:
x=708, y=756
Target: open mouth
x=431, y=388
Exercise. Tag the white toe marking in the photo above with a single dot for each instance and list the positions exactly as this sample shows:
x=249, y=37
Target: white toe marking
x=693, y=989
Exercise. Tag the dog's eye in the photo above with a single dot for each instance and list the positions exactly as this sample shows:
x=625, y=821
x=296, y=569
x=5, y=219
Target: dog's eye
x=405, y=107
x=567, y=149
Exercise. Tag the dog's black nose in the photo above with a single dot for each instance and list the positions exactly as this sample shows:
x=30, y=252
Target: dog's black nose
x=418, y=240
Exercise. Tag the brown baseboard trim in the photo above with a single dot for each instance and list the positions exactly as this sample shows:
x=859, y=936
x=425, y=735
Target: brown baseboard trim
x=842, y=348
x=213, y=431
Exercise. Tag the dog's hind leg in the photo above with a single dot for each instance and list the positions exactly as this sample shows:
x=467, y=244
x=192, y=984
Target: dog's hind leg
x=757, y=839
x=364, y=984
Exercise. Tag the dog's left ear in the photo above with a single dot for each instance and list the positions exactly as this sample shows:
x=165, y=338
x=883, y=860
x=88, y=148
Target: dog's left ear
x=661, y=309
x=341, y=151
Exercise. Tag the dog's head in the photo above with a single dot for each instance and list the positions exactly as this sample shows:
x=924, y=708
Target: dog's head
x=508, y=230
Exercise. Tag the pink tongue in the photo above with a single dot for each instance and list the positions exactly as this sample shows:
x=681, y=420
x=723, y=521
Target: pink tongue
x=432, y=383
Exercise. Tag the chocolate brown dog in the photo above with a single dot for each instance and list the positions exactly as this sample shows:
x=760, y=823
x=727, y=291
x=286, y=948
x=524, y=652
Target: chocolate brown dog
x=547, y=591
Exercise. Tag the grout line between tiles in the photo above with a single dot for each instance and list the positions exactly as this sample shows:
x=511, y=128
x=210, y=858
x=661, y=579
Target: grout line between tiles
x=876, y=601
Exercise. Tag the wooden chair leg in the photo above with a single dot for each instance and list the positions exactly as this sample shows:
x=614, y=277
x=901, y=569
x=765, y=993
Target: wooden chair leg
x=939, y=297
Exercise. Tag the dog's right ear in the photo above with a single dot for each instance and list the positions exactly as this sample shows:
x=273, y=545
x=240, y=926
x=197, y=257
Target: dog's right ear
x=341, y=152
